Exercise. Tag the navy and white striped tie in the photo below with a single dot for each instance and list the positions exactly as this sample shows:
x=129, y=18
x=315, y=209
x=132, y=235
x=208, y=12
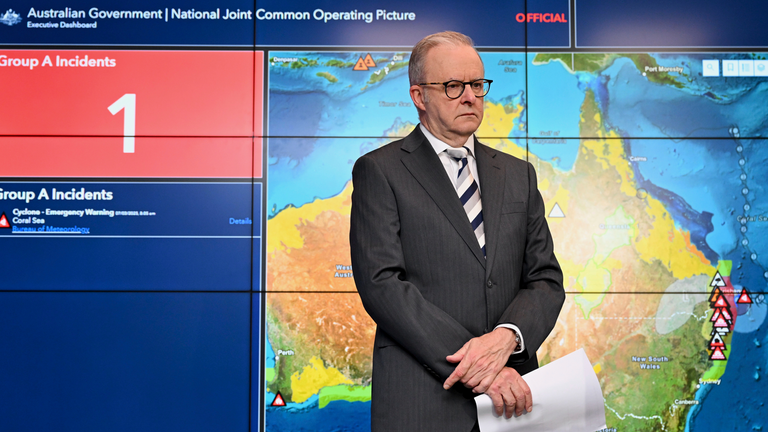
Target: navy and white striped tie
x=469, y=194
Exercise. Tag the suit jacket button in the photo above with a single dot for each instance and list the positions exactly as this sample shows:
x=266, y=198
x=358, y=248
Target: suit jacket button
x=490, y=284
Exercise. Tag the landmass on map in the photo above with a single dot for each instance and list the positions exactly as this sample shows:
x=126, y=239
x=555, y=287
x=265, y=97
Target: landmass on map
x=328, y=76
x=594, y=63
x=648, y=341
x=635, y=247
x=381, y=73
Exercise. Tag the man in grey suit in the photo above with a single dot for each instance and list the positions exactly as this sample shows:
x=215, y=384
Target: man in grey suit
x=452, y=256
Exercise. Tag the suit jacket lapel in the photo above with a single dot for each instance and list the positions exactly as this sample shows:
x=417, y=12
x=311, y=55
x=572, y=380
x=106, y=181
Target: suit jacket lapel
x=422, y=162
x=492, y=195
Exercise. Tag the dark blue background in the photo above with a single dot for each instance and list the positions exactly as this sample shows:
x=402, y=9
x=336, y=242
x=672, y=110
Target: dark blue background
x=125, y=361
x=131, y=31
x=653, y=23
x=490, y=24
x=663, y=23
x=126, y=264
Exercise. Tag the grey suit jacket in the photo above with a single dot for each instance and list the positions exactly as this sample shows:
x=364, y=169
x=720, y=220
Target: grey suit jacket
x=423, y=279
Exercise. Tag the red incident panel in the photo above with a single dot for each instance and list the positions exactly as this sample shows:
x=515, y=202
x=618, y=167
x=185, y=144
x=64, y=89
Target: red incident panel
x=258, y=116
x=104, y=157
x=117, y=93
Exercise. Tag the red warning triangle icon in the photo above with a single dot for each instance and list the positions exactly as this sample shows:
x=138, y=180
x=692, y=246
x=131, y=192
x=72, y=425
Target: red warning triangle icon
x=369, y=61
x=721, y=322
x=744, y=298
x=360, y=65
x=278, y=401
x=715, y=294
x=721, y=303
x=4, y=222
x=726, y=314
x=716, y=314
x=717, y=354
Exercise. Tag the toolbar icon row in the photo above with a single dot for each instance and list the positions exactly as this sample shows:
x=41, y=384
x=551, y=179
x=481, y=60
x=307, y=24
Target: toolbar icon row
x=734, y=68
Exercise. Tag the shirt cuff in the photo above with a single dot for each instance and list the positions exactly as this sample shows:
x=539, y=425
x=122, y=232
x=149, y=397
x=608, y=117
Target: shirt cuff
x=520, y=346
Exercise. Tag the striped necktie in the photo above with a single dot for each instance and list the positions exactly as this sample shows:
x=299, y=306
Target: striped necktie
x=469, y=194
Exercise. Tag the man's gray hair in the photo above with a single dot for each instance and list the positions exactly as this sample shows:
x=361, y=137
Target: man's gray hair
x=416, y=70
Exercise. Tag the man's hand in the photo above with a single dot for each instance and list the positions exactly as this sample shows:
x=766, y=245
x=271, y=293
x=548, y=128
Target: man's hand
x=481, y=359
x=510, y=393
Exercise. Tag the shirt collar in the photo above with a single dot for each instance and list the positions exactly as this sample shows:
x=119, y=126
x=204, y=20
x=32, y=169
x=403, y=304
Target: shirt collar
x=440, y=146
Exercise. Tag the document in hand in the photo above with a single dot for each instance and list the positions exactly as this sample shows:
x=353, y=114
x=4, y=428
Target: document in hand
x=566, y=398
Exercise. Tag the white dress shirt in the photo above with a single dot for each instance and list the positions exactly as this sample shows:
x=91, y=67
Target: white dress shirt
x=452, y=167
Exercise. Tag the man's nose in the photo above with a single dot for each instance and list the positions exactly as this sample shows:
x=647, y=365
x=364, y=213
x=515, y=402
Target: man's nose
x=468, y=96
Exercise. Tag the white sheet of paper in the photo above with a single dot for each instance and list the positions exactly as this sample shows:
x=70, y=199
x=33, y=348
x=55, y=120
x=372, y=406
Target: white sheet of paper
x=566, y=398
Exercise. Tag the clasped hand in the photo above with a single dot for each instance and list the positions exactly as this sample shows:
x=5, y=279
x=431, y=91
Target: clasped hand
x=482, y=368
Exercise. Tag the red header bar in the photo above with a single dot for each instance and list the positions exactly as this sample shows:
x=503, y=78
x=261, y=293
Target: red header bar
x=117, y=93
x=153, y=157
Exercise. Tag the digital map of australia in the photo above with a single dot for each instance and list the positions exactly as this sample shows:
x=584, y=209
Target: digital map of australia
x=651, y=179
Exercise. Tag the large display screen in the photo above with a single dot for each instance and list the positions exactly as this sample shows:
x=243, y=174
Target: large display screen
x=175, y=186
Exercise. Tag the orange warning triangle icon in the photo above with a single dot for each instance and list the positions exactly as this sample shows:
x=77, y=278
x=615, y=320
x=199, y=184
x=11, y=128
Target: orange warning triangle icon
x=744, y=298
x=278, y=401
x=717, y=354
x=360, y=65
x=4, y=222
x=715, y=294
x=369, y=61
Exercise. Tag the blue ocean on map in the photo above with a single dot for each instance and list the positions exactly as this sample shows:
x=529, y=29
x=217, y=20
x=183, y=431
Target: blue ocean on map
x=554, y=110
x=507, y=70
x=709, y=174
x=705, y=173
x=704, y=107
x=303, y=104
x=337, y=416
x=719, y=410
x=308, y=416
x=319, y=126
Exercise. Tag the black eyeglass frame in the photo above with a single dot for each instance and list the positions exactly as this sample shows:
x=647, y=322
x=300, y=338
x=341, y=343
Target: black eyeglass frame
x=463, y=86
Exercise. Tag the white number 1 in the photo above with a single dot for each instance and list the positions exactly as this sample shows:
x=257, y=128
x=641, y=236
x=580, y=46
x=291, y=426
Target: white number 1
x=127, y=102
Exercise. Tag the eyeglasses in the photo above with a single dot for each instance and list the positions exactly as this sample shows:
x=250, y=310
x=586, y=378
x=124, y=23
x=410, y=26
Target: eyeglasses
x=455, y=88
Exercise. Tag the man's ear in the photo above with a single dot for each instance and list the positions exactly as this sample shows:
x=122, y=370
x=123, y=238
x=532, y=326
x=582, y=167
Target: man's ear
x=418, y=97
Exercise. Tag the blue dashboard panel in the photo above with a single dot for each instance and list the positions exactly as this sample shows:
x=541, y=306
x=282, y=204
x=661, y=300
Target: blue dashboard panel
x=140, y=22
x=124, y=361
x=402, y=23
x=659, y=23
x=129, y=236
